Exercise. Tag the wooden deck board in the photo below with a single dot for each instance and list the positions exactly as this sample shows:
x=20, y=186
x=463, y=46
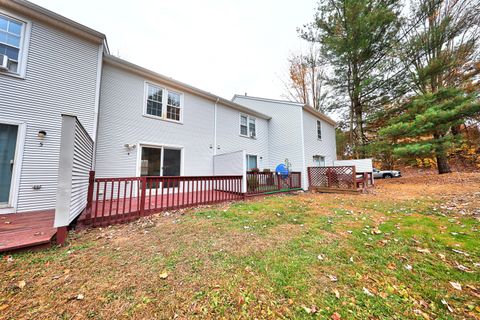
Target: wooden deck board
x=24, y=230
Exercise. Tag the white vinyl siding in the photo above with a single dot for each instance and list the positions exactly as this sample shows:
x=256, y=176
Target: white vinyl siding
x=229, y=139
x=82, y=164
x=59, y=64
x=121, y=122
x=314, y=147
x=284, y=132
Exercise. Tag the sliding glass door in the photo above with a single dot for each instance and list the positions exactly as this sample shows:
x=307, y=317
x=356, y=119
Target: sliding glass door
x=161, y=161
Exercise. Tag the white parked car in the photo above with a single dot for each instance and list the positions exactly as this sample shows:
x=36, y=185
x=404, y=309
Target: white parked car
x=386, y=174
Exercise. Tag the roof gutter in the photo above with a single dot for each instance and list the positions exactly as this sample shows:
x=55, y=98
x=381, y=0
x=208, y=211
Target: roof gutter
x=41, y=14
x=153, y=76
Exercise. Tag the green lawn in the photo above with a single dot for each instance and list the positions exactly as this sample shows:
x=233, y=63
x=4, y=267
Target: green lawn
x=387, y=255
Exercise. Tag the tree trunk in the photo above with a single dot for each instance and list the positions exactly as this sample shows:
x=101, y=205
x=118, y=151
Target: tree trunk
x=442, y=163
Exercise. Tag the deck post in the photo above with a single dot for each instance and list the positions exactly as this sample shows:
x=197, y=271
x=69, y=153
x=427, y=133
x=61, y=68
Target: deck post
x=354, y=170
x=143, y=182
x=309, y=176
x=91, y=187
x=61, y=236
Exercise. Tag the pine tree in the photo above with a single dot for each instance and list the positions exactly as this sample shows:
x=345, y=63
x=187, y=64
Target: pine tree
x=423, y=128
x=357, y=39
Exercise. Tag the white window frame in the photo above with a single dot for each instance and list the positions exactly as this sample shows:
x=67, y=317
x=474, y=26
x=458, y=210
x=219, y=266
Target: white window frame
x=24, y=45
x=246, y=159
x=249, y=118
x=165, y=91
x=319, y=130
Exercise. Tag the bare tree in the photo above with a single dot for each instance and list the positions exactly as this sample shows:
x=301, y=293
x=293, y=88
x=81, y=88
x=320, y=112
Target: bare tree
x=306, y=79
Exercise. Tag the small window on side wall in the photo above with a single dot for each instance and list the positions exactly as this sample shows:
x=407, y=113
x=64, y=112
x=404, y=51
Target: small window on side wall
x=248, y=127
x=319, y=130
x=11, y=42
x=319, y=161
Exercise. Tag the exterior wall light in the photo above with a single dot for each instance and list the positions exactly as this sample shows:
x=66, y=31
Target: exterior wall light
x=41, y=135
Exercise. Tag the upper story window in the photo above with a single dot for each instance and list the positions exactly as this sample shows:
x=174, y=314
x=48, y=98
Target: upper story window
x=248, y=126
x=11, y=34
x=156, y=100
x=319, y=130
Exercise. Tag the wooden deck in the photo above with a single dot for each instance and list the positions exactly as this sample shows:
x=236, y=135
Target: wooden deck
x=26, y=230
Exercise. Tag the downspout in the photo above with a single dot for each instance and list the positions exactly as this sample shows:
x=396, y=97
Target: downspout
x=97, y=104
x=215, y=127
x=214, y=134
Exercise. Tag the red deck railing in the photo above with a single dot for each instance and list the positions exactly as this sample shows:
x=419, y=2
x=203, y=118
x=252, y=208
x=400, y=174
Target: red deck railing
x=266, y=182
x=118, y=200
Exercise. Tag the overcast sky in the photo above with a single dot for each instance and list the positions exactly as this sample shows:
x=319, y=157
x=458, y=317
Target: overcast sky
x=224, y=47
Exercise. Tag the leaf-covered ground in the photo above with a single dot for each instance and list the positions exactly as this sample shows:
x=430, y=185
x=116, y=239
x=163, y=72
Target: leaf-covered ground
x=410, y=249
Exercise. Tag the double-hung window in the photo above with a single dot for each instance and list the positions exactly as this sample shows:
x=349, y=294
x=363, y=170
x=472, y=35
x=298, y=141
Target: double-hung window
x=11, y=40
x=319, y=161
x=247, y=126
x=319, y=130
x=243, y=125
x=163, y=103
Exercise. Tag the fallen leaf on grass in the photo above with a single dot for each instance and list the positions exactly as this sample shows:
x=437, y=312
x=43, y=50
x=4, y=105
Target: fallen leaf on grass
x=333, y=278
x=336, y=293
x=421, y=313
x=442, y=256
x=367, y=292
x=423, y=250
x=456, y=285
x=461, y=252
x=21, y=284
x=163, y=275
x=462, y=268
x=445, y=303
x=336, y=316
x=392, y=266
x=376, y=231
x=312, y=310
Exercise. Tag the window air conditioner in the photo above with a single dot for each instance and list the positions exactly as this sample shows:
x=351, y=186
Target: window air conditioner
x=3, y=62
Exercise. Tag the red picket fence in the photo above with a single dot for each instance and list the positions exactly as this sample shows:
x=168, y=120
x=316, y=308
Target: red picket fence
x=119, y=200
x=266, y=182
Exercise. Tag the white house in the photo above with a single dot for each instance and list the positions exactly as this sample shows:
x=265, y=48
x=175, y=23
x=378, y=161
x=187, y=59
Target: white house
x=49, y=66
x=297, y=132
x=68, y=106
